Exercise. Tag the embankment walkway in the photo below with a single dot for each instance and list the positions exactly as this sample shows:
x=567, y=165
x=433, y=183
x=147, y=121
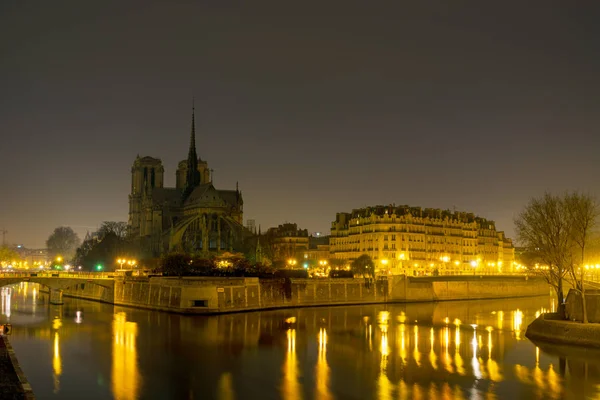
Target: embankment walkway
x=13, y=384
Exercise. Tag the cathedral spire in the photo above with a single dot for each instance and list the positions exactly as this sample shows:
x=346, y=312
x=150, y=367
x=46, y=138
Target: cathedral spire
x=192, y=175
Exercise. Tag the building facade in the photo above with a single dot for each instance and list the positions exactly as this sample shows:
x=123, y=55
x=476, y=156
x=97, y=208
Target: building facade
x=416, y=241
x=287, y=243
x=194, y=216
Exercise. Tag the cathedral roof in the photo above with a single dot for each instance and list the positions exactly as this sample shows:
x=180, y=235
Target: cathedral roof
x=166, y=195
x=206, y=193
x=231, y=197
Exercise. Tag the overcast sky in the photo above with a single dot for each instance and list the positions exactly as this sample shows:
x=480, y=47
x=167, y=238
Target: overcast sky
x=315, y=108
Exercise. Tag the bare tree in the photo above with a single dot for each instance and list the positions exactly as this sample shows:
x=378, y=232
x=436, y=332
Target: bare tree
x=544, y=228
x=583, y=212
x=120, y=229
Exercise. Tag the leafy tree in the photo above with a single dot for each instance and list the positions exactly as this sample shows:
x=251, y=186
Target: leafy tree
x=8, y=255
x=363, y=265
x=63, y=242
x=175, y=264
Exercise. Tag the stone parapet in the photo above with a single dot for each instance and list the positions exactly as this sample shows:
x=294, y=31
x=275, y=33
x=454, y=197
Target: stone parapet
x=549, y=328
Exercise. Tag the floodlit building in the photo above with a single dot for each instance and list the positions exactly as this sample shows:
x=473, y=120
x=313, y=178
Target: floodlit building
x=287, y=243
x=416, y=241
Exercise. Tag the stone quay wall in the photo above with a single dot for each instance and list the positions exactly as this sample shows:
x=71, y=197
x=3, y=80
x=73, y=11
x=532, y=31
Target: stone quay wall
x=549, y=328
x=465, y=287
x=574, y=309
x=207, y=295
x=13, y=383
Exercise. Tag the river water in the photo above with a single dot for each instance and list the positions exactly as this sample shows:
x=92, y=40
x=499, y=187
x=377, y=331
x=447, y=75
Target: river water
x=449, y=350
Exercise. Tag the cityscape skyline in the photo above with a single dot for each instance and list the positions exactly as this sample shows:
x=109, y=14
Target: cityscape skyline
x=409, y=104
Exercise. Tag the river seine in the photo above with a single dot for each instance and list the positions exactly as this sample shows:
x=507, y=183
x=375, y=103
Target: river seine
x=448, y=350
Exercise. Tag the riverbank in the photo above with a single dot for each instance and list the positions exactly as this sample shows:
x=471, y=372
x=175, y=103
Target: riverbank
x=13, y=383
x=550, y=328
x=209, y=295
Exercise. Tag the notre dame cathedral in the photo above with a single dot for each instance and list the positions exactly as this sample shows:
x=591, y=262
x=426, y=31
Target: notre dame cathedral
x=193, y=216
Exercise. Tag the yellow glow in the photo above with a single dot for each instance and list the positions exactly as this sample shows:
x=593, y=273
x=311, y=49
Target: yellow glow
x=432, y=356
x=383, y=317
x=553, y=380
x=402, y=329
x=500, y=319
x=291, y=387
x=402, y=317
x=494, y=371
x=517, y=322
x=475, y=361
x=125, y=369
x=322, y=371
x=56, y=363
x=416, y=354
x=226, y=387
x=384, y=261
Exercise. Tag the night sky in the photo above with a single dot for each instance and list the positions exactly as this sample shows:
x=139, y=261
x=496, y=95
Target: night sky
x=315, y=108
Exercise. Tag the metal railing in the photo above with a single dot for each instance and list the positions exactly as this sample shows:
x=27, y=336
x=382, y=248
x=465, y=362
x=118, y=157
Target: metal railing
x=48, y=274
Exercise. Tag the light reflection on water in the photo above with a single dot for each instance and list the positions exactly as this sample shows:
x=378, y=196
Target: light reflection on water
x=457, y=350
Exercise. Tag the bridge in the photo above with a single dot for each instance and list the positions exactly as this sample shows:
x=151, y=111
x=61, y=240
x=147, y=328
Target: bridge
x=56, y=282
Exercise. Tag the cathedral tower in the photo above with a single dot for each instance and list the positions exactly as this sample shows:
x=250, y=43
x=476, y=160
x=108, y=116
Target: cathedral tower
x=146, y=174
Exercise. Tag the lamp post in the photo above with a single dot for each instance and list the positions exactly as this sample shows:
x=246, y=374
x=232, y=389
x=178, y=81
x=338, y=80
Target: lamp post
x=131, y=263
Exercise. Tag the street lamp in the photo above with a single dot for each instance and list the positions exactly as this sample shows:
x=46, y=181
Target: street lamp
x=474, y=265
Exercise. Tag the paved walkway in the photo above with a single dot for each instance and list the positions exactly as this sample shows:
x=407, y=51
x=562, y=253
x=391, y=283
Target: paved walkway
x=13, y=384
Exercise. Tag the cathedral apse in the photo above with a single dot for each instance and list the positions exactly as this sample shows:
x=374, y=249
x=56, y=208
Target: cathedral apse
x=193, y=216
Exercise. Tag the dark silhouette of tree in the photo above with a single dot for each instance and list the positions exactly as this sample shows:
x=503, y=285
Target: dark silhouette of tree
x=363, y=265
x=62, y=242
x=104, y=250
x=119, y=229
x=176, y=264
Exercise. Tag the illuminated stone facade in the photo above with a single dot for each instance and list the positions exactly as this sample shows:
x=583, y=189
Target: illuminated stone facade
x=194, y=216
x=416, y=241
x=287, y=243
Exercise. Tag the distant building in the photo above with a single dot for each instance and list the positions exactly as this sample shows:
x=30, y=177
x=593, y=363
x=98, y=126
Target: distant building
x=416, y=241
x=194, y=216
x=287, y=243
x=32, y=257
x=318, y=249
